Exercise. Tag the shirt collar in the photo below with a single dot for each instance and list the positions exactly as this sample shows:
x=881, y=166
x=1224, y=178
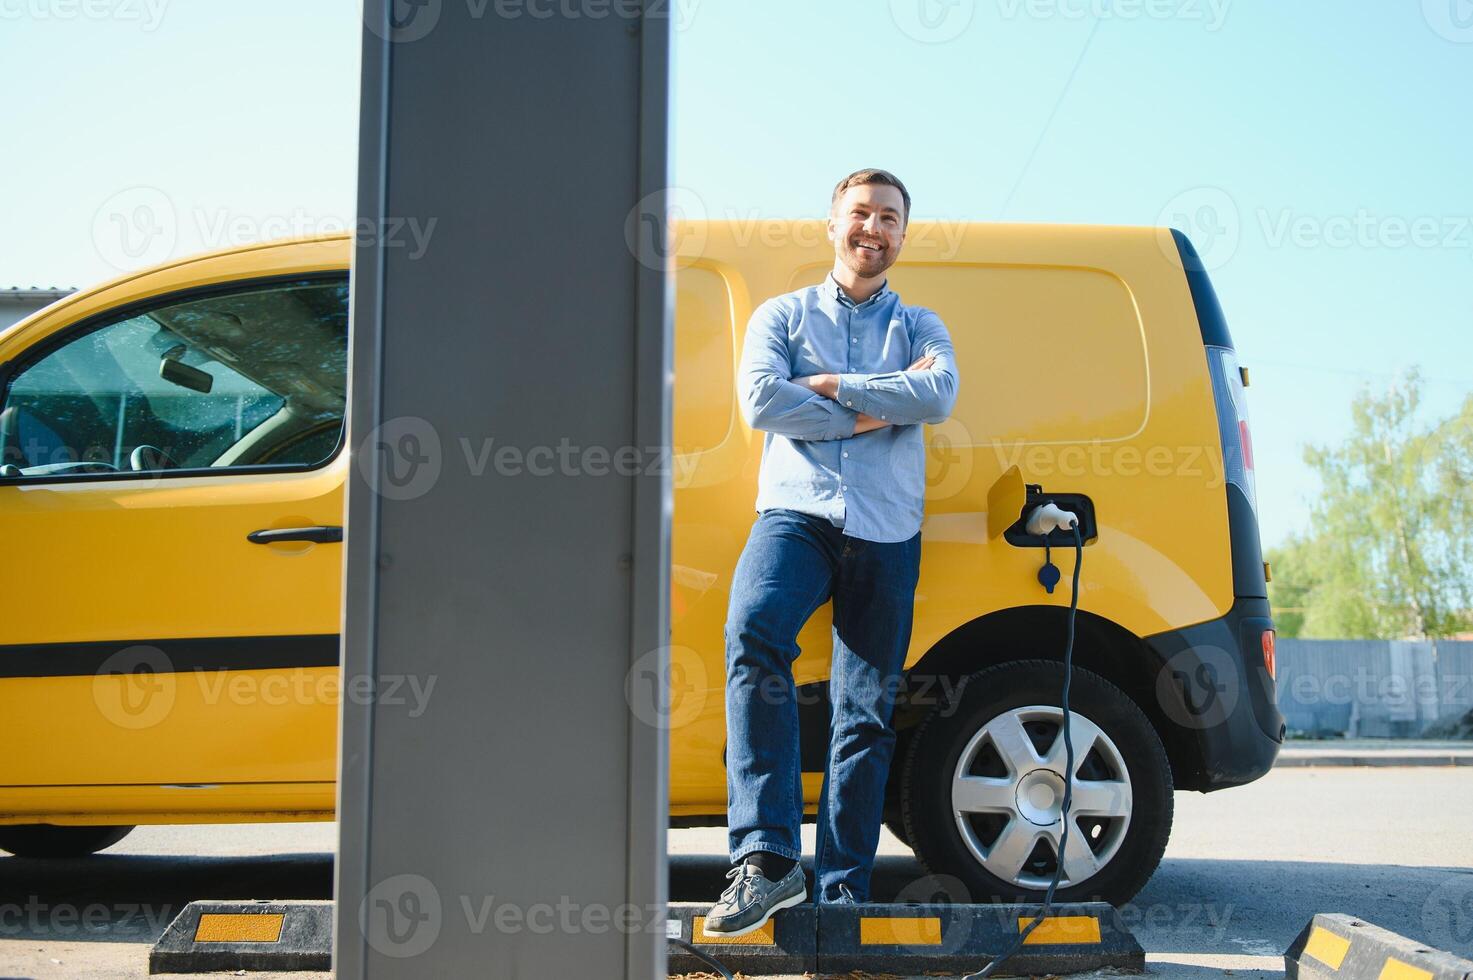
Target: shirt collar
x=833, y=289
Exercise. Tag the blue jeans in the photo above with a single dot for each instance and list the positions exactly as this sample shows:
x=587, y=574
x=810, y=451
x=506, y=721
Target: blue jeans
x=791, y=565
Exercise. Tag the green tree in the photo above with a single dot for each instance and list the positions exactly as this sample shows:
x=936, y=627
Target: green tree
x=1389, y=553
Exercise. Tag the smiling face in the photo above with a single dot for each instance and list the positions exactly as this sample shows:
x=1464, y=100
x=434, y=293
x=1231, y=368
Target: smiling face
x=867, y=227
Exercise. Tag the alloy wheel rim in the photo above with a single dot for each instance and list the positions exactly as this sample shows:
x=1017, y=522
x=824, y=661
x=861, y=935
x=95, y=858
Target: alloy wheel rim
x=1009, y=819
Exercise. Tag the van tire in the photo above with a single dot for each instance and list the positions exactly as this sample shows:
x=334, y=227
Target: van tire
x=1000, y=699
x=45, y=840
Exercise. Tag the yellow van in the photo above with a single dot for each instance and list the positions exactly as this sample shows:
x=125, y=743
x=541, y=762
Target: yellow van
x=171, y=488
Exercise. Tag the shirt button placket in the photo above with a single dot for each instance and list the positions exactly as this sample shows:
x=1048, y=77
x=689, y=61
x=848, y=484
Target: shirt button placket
x=853, y=340
x=848, y=366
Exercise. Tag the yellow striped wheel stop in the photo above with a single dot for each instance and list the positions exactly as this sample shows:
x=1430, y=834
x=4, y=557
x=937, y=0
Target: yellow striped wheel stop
x=785, y=944
x=1335, y=946
x=911, y=939
x=213, y=935
x=905, y=939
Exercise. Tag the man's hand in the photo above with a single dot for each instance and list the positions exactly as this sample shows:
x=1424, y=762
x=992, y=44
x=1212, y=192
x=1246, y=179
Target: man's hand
x=867, y=422
x=827, y=385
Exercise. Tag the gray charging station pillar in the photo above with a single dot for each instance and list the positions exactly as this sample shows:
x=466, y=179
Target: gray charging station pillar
x=502, y=787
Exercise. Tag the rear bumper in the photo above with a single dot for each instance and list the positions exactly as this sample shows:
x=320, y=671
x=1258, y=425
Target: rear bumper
x=1216, y=691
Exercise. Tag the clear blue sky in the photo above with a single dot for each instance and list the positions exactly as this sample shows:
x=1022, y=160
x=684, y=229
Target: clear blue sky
x=1319, y=152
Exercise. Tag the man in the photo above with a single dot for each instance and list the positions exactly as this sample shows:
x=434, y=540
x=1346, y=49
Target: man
x=840, y=376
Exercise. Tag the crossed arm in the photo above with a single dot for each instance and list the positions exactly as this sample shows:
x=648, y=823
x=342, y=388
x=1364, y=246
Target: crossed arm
x=837, y=406
x=845, y=388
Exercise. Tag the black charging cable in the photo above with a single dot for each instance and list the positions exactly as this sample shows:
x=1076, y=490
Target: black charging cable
x=1048, y=896
x=709, y=960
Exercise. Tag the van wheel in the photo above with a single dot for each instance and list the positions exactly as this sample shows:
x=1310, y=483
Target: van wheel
x=983, y=782
x=44, y=840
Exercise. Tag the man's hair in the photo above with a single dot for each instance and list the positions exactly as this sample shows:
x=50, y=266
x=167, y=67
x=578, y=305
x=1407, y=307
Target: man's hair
x=872, y=176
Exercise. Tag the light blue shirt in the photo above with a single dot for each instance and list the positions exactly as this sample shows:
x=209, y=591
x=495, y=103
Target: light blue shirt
x=873, y=485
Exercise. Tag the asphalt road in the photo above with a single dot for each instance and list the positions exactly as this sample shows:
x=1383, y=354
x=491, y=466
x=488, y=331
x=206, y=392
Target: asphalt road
x=1244, y=872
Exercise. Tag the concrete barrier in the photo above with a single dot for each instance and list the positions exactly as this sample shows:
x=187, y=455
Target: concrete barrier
x=213, y=935
x=1334, y=946
x=915, y=939
x=907, y=939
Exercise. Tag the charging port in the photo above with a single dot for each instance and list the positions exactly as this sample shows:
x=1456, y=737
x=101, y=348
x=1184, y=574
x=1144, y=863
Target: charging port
x=1076, y=503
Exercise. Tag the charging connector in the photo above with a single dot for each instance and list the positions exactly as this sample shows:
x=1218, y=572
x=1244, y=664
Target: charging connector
x=1050, y=517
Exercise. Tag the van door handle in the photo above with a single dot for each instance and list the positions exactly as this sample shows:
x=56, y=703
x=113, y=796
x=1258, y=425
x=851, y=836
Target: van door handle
x=322, y=534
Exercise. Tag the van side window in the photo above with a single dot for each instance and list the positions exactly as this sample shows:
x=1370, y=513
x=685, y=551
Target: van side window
x=251, y=377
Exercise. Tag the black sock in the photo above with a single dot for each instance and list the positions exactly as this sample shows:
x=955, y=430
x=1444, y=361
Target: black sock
x=772, y=866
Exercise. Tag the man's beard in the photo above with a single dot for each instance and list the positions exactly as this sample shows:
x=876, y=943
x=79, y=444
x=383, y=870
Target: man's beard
x=853, y=260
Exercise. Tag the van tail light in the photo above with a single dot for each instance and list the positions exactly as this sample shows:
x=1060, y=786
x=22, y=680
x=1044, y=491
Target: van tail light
x=1268, y=654
x=1232, y=421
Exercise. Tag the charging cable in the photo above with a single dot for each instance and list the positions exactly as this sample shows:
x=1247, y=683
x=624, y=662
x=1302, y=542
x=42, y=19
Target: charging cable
x=1042, y=521
x=705, y=958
